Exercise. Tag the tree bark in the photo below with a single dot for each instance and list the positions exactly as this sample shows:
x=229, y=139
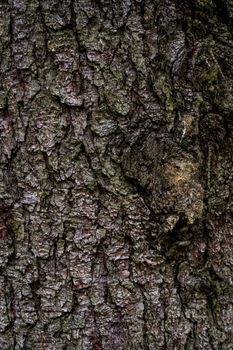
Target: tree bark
x=116, y=174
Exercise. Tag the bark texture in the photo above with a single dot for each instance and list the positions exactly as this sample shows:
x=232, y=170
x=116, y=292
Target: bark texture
x=116, y=174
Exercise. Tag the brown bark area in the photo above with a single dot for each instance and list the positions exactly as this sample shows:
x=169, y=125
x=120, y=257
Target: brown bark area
x=116, y=174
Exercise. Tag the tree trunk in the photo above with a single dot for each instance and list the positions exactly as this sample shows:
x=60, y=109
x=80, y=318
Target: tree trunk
x=116, y=174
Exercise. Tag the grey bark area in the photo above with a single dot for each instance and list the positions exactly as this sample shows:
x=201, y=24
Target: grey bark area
x=116, y=175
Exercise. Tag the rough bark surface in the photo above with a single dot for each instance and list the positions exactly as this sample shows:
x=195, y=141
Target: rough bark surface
x=116, y=174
